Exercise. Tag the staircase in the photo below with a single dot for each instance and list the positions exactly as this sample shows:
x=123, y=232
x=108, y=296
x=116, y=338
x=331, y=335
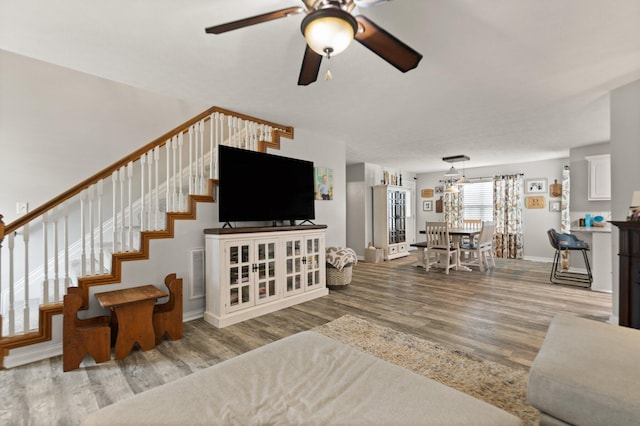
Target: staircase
x=81, y=237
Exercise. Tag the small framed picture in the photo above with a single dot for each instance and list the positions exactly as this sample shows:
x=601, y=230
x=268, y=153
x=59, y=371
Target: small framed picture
x=427, y=206
x=554, y=206
x=538, y=202
x=535, y=186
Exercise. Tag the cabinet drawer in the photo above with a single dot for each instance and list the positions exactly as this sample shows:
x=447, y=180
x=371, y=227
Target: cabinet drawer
x=393, y=249
x=402, y=247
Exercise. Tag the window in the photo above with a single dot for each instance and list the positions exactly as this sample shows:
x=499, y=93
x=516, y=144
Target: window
x=478, y=200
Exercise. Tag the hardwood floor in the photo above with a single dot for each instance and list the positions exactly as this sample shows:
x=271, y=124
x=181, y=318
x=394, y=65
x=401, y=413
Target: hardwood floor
x=501, y=315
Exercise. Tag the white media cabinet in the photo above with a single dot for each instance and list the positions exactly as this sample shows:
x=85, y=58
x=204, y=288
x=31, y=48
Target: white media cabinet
x=255, y=271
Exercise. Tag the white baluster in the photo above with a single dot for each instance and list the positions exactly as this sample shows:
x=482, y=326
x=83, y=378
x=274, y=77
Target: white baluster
x=156, y=155
x=221, y=128
x=211, y=141
x=92, y=243
x=201, y=158
x=122, y=216
x=191, y=143
x=45, y=250
x=56, y=257
x=174, y=146
x=196, y=158
x=254, y=146
x=149, y=193
x=83, y=237
x=130, y=203
x=25, y=237
x=65, y=215
x=230, y=128
x=269, y=134
x=236, y=138
x=12, y=285
x=143, y=163
x=168, y=172
x=100, y=193
x=114, y=213
x=178, y=170
x=218, y=141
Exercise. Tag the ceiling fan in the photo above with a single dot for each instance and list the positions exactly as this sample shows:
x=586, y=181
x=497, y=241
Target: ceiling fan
x=329, y=28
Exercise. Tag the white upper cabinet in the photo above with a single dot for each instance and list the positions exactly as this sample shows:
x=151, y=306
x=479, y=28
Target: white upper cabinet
x=599, y=175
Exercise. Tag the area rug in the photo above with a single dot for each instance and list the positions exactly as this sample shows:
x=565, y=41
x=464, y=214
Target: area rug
x=496, y=384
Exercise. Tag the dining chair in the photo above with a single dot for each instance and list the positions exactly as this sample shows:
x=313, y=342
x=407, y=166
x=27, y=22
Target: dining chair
x=475, y=224
x=480, y=251
x=440, y=251
x=472, y=224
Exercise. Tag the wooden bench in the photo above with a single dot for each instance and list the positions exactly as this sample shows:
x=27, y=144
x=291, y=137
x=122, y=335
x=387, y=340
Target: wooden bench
x=167, y=317
x=82, y=336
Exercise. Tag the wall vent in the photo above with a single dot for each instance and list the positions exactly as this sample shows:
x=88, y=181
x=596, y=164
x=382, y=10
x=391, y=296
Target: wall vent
x=197, y=273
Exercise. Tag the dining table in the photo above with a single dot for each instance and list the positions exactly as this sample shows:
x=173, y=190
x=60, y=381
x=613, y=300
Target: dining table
x=456, y=234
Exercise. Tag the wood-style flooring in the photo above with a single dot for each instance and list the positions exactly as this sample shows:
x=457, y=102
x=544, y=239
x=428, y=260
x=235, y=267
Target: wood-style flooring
x=502, y=315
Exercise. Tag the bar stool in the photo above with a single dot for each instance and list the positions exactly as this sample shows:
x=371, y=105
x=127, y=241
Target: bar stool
x=568, y=243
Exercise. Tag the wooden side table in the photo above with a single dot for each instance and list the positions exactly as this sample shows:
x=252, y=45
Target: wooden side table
x=133, y=310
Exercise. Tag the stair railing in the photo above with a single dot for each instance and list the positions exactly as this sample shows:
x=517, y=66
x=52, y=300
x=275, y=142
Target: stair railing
x=75, y=234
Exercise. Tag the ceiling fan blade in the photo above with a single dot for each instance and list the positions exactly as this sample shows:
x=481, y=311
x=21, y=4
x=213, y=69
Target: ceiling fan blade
x=258, y=19
x=310, y=67
x=383, y=44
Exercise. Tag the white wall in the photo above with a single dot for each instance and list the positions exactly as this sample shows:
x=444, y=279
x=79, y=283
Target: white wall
x=625, y=173
x=59, y=127
x=536, y=222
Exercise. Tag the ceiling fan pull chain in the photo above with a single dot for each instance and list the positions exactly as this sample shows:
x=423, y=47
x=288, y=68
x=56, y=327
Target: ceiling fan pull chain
x=328, y=76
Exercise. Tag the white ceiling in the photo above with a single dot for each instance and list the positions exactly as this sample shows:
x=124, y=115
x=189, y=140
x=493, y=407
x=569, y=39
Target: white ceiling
x=501, y=80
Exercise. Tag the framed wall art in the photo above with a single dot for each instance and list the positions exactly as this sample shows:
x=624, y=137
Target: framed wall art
x=538, y=202
x=323, y=182
x=427, y=193
x=554, y=206
x=427, y=206
x=535, y=186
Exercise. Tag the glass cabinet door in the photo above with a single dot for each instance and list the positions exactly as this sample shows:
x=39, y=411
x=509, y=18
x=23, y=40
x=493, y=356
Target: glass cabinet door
x=314, y=254
x=265, y=279
x=397, y=216
x=293, y=257
x=239, y=276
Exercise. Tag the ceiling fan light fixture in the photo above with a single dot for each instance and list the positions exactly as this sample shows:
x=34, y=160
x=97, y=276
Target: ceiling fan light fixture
x=329, y=31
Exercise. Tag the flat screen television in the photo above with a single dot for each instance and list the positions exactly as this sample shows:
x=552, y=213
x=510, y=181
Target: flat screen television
x=254, y=186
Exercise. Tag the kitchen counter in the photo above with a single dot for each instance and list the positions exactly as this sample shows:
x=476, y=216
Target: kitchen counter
x=606, y=229
x=599, y=240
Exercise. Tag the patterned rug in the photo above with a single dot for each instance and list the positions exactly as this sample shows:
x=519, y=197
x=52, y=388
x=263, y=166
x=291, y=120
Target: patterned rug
x=499, y=385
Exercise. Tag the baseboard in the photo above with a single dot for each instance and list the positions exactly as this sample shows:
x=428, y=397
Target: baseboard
x=32, y=353
x=539, y=259
x=192, y=315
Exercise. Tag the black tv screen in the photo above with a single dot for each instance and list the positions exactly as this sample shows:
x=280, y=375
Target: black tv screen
x=254, y=186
